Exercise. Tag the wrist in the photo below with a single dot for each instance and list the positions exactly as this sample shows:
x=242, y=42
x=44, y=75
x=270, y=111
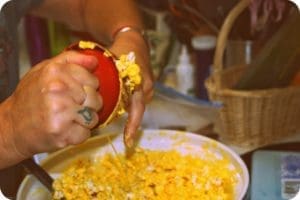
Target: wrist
x=136, y=34
x=133, y=41
x=124, y=29
x=9, y=154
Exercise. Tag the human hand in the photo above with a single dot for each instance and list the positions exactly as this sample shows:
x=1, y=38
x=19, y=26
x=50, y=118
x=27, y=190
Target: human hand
x=123, y=44
x=55, y=104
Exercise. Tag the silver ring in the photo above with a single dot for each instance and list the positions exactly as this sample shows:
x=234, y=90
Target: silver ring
x=87, y=114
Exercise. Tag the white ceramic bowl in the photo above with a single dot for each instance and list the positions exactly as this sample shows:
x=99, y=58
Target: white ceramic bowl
x=185, y=142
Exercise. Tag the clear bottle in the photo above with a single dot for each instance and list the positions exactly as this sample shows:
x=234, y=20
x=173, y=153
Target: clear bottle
x=185, y=73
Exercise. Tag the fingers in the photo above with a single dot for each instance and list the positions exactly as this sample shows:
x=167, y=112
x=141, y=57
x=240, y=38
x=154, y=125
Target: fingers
x=70, y=123
x=84, y=113
x=77, y=79
x=83, y=76
x=148, y=91
x=77, y=83
x=86, y=117
x=69, y=86
x=72, y=57
x=148, y=81
x=76, y=134
x=135, y=115
x=68, y=69
x=93, y=100
x=76, y=65
x=81, y=135
x=87, y=113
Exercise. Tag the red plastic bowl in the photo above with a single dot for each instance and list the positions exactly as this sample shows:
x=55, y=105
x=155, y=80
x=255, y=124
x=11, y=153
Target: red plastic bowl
x=109, y=81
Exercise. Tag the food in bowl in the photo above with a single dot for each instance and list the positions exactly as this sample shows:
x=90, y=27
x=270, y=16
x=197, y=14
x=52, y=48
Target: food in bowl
x=149, y=174
x=151, y=140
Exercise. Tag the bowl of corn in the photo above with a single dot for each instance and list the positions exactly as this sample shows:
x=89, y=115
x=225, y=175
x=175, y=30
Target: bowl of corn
x=164, y=164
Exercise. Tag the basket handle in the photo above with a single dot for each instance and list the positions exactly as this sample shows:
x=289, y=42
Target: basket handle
x=224, y=32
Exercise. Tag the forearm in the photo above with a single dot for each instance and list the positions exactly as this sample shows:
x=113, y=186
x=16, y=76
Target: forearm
x=8, y=153
x=115, y=14
x=100, y=18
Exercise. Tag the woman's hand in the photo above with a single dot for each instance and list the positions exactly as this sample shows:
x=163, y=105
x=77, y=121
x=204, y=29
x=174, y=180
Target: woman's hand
x=124, y=43
x=54, y=105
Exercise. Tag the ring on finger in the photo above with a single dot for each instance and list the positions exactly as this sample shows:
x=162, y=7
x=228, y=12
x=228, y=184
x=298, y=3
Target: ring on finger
x=87, y=114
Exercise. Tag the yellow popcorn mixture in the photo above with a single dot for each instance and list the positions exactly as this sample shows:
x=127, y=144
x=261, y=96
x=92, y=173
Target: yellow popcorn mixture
x=86, y=45
x=130, y=78
x=130, y=70
x=148, y=174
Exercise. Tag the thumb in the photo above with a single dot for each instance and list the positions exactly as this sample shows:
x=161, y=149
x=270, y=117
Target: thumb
x=89, y=62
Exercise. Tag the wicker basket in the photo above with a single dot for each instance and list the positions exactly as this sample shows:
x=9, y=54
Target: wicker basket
x=249, y=118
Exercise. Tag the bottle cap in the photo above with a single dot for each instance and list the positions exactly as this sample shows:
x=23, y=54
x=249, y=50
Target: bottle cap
x=204, y=42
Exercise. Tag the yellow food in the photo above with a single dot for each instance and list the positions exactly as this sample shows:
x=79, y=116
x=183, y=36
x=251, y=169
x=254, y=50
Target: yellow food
x=129, y=70
x=87, y=45
x=149, y=174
